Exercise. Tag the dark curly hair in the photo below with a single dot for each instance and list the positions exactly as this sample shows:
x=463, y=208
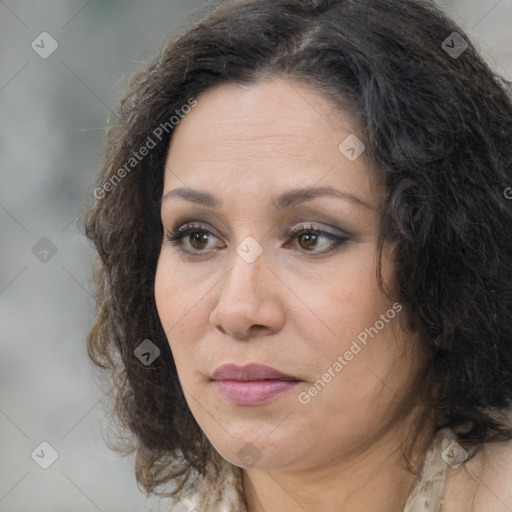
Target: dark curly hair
x=437, y=124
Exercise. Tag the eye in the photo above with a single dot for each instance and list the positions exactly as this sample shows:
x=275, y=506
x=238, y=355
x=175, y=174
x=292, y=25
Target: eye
x=307, y=236
x=195, y=234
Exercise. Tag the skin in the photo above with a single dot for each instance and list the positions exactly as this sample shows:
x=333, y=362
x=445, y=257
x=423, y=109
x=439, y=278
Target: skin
x=483, y=483
x=295, y=307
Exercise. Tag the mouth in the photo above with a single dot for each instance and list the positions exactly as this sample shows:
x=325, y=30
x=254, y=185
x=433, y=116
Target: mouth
x=253, y=384
x=251, y=372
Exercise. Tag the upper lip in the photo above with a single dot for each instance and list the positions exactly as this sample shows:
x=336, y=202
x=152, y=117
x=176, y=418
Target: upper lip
x=249, y=372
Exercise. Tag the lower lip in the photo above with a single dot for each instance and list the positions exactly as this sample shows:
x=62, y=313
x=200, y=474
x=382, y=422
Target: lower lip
x=253, y=392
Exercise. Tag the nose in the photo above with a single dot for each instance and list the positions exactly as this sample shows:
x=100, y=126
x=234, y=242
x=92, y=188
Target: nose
x=249, y=303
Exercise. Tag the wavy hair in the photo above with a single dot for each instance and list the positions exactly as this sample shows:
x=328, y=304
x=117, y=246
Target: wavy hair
x=439, y=128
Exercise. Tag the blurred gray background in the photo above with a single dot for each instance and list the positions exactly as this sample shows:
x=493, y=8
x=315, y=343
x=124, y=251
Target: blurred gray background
x=54, y=105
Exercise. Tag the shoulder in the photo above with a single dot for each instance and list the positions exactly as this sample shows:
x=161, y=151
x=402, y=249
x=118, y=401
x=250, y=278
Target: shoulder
x=483, y=483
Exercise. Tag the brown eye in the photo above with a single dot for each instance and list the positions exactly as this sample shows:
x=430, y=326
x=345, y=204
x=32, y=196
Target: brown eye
x=196, y=236
x=198, y=240
x=308, y=237
x=309, y=240
x=193, y=239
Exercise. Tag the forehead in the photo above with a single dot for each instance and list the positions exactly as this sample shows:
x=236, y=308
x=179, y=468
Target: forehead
x=272, y=133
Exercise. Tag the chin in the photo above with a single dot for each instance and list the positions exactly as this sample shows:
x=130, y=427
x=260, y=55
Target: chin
x=255, y=452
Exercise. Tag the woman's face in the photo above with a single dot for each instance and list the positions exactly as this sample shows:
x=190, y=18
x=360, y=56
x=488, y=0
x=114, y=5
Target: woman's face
x=240, y=288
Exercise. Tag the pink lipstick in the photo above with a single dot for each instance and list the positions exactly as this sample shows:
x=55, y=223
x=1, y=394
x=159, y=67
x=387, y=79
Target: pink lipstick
x=252, y=384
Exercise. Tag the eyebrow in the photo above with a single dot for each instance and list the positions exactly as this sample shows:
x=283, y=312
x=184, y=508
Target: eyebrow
x=286, y=201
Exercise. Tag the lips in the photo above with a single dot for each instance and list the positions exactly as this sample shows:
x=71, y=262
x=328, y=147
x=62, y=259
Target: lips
x=253, y=384
x=253, y=392
x=250, y=372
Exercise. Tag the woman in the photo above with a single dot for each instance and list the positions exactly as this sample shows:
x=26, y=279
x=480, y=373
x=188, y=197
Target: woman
x=305, y=264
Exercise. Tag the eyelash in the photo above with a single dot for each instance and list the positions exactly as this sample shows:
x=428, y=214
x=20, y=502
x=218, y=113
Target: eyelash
x=176, y=236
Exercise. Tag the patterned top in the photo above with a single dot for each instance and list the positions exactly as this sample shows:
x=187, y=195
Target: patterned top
x=222, y=490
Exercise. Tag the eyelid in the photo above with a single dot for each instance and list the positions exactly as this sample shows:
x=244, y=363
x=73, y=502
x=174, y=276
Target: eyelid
x=337, y=237
x=306, y=227
x=306, y=214
x=183, y=226
x=180, y=226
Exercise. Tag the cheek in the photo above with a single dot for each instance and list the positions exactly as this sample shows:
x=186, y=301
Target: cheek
x=172, y=302
x=182, y=311
x=360, y=324
x=347, y=299
x=165, y=292
x=170, y=305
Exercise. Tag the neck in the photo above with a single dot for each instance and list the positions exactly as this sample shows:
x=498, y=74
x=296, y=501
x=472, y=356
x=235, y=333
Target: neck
x=372, y=478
